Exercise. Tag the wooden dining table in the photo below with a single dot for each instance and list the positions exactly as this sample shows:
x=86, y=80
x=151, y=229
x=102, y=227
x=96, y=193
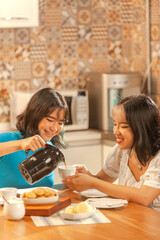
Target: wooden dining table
x=131, y=221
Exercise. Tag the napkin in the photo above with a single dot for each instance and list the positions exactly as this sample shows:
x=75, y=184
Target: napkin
x=56, y=219
x=107, y=202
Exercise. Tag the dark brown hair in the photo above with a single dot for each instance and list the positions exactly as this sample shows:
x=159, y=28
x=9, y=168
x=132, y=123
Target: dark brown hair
x=143, y=117
x=42, y=104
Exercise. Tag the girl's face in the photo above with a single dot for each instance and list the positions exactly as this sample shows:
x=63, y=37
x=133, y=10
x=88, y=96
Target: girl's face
x=121, y=129
x=51, y=125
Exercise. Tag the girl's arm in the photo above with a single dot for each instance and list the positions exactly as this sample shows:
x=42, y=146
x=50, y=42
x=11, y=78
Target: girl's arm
x=144, y=195
x=32, y=143
x=101, y=175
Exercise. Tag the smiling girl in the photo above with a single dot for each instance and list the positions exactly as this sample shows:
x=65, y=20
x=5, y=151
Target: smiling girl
x=42, y=122
x=134, y=160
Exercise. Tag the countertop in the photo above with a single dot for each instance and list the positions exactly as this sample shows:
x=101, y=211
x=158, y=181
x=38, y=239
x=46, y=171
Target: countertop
x=89, y=134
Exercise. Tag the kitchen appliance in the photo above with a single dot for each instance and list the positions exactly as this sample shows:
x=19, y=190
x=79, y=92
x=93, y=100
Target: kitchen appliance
x=104, y=91
x=40, y=163
x=77, y=101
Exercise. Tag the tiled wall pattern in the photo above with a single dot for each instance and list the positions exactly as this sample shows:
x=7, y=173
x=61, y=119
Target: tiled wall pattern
x=75, y=37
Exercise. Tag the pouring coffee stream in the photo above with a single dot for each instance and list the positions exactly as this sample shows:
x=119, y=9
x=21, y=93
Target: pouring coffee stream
x=41, y=163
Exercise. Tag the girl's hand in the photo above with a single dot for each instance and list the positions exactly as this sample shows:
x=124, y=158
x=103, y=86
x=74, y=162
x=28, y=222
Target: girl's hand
x=79, y=182
x=32, y=143
x=81, y=169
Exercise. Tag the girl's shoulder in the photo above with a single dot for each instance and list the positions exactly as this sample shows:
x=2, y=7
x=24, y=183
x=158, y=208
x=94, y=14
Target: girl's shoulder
x=10, y=136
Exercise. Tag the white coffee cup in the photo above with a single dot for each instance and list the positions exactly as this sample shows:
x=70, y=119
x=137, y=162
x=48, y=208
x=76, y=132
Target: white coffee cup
x=8, y=192
x=80, y=165
x=66, y=171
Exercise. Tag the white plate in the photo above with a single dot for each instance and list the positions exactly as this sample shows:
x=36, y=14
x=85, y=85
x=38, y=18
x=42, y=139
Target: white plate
x=38, y=201
x=76, y=216
x=106, y=202
x=92, y=193
x=107, y=206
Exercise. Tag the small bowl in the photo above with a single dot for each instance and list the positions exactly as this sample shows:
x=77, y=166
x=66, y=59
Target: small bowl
x=8, y=192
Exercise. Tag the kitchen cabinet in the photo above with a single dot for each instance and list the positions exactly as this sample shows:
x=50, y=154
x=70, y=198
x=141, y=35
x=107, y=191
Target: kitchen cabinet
x=108, y=141
x=19, y=13
x=107, y=146
x=84, y=147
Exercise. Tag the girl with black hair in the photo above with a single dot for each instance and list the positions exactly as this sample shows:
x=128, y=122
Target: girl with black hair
x=134, y=160
x=42, y=122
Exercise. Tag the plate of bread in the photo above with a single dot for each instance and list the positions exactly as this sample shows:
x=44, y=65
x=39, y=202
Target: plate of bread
x=78, y=211
x=39, y=195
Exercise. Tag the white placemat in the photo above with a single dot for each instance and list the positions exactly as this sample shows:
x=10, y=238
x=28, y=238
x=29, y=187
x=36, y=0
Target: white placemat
x=56, y=219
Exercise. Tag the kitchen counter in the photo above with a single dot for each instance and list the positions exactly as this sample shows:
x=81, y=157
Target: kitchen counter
x=89, y=134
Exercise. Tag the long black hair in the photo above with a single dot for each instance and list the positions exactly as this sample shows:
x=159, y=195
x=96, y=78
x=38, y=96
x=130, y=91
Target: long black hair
x=42, y=104
x=143, y=117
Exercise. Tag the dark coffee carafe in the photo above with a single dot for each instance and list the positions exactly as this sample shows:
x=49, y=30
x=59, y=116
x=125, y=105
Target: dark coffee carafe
x=40, y=163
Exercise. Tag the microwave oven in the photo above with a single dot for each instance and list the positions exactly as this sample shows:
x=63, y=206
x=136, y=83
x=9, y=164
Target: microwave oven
x=77, y=101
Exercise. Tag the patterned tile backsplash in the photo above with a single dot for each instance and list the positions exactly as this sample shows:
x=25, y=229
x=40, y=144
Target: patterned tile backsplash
x=75, y=37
